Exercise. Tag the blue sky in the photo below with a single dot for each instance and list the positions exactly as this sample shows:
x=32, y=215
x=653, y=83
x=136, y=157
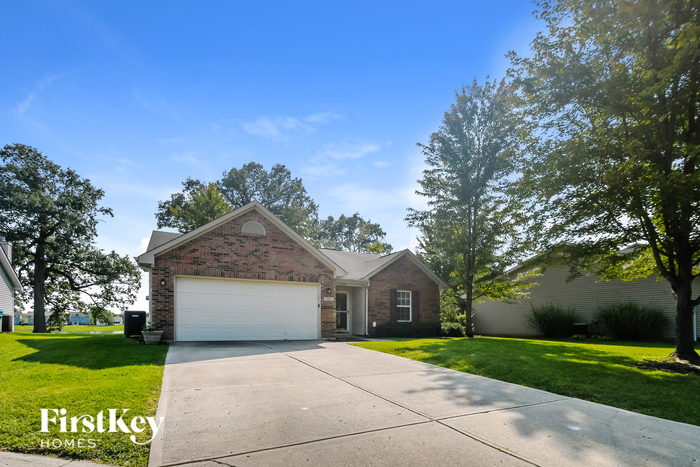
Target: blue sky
x=138, y=96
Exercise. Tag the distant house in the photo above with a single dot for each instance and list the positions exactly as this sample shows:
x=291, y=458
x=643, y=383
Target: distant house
x=30, y=317
x=79, y=319
x=9, y=284
x=584, y=294
x=118, y=320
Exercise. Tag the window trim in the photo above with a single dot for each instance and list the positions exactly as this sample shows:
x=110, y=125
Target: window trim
x=410, y=307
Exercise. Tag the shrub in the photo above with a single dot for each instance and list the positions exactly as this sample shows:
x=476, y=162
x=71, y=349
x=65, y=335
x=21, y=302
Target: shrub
x=452, y=321
x=629, y=321
x=407, y=330
x=553, y=320
x=452, y=329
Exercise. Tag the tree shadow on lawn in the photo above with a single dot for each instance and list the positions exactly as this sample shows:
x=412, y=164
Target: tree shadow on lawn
x=94, y=352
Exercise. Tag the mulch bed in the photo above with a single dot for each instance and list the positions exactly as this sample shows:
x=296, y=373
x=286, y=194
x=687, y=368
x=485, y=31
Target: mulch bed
x=679, y=366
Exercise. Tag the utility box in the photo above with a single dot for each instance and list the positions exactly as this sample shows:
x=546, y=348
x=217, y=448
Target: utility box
x=134, y=322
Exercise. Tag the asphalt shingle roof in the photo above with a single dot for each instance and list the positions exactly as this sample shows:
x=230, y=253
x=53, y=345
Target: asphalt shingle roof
x=159, y=238
x=357, y=265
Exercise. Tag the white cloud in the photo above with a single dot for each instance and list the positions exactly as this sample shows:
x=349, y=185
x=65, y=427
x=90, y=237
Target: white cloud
x=381, y=164
x=323, y=117
x=187, y=157
x=320, y=167
x=281, y=128
x=346, y=150
x=143, y=245
x=26, y=104
x=171, y=141
x=275, y=128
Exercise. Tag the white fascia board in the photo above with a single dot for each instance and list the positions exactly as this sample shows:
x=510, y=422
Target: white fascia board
x=147, y=259
x=5, y=261
x=441, y=285
x=351, y=283
x=513, y=269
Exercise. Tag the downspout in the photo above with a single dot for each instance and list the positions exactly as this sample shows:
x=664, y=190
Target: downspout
x=150, y=298
x=367, y=310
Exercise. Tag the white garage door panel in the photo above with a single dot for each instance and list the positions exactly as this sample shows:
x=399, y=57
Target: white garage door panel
x=218, y=310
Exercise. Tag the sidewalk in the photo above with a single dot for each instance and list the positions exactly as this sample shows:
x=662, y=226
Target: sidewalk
x=11, y=459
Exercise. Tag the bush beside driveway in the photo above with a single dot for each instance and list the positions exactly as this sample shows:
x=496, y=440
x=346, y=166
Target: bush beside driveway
x=84, y=374
x=606, y=372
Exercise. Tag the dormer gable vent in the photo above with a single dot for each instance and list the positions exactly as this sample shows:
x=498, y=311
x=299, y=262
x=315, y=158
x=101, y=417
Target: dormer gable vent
x=253, y=228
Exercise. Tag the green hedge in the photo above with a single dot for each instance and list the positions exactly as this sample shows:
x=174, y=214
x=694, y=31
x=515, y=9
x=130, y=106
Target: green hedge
x=553, y=320
x=407, y=330
x=629, y=321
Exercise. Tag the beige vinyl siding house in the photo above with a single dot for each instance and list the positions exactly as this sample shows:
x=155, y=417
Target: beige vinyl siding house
x=7, y=294
x=9, y=284
x=584, y=294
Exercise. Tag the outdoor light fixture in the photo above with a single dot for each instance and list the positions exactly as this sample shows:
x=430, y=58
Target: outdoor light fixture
x=162, y=282
x=328, y=291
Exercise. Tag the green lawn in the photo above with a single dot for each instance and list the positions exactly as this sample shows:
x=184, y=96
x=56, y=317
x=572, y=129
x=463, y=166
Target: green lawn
x=93, y=329
x=84, y=374
x=77, y=329
x=603, y=372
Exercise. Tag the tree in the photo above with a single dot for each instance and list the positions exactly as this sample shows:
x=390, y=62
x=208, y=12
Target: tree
x=614, y=140
x=283, y=195
x=197, y=205
x=351, y=234
x=470, y=232
x=51, y=215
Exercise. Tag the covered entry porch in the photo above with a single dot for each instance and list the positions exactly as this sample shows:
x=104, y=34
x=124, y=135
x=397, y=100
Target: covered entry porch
x=351, y=308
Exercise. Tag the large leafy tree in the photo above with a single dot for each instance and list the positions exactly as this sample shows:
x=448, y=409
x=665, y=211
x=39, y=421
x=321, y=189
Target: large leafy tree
x=351, y=233
x=51, y=215
x=470, y=231
x=283, y=195
x=196, y=205
x=614, y=149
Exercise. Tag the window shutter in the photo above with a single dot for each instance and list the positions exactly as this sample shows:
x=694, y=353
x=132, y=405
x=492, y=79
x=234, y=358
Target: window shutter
x=415, y=307
x=392, y=305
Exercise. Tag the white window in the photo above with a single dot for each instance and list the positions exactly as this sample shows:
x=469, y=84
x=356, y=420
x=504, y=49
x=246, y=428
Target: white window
x=403, y=305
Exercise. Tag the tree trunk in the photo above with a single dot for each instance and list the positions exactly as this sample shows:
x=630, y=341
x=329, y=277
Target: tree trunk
x=684, y=323
x=39, y=278
x=468, y=307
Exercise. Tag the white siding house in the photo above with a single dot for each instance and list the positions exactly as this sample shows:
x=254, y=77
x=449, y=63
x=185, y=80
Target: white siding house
x=9, y=283
x=584, y=294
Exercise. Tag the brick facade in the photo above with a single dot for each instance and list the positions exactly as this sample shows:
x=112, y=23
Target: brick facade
x=403, y=274
x=226, y=252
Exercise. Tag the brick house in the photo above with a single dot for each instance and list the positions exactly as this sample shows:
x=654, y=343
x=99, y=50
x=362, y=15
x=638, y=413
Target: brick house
x=248, y=276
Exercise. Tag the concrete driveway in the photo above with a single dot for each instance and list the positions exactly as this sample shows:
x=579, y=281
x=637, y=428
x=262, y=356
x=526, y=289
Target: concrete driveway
x=321, y=403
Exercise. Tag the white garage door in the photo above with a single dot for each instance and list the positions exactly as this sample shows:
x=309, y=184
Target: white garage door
x=236, y=310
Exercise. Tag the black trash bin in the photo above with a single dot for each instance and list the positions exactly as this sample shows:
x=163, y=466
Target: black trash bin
x=133, y=322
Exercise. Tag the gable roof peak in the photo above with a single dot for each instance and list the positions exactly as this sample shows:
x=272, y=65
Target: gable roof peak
x=147, y=259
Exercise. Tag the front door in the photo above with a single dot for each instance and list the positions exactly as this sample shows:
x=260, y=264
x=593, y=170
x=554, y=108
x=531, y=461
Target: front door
x=341, y=311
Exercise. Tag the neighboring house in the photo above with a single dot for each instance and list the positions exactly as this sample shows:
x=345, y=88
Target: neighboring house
x=9, y=284
x=30, y=317
x=584, y=294
x=79, y=319
x=248, y=276
x=118, y=320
